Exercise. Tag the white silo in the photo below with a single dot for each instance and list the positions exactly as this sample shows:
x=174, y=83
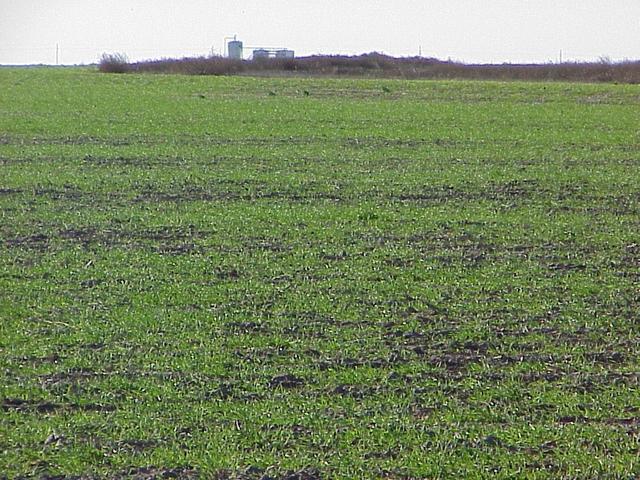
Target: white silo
x=234, y=48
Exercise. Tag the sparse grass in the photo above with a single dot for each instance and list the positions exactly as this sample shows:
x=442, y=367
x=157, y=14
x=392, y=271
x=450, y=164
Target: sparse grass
x=378, y=65
x=345, y=279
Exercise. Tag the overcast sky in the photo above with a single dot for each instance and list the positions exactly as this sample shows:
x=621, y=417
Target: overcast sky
x=469, y=30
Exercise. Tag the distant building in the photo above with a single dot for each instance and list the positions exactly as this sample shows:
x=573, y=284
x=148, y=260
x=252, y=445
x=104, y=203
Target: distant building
x=260, y=53
x=285, y=53
x=235, y=49
x=273, y=52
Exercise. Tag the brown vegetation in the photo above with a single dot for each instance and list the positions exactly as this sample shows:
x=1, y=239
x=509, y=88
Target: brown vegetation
x=379, y=65
x=114, y=63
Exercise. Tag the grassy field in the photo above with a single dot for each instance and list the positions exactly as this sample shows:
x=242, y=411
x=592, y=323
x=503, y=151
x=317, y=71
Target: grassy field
x=301, y=279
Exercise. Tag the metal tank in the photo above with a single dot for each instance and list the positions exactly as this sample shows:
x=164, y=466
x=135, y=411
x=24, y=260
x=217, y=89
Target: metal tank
x=234, y=48
x=285, y=53
x=260, y=53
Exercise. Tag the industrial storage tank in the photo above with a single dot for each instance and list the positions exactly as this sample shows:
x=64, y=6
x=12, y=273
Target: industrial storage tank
x=260, y=53
x=284, y=53
x=235, y=49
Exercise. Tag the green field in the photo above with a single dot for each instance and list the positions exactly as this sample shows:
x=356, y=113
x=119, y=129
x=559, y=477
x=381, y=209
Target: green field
x=208, y=277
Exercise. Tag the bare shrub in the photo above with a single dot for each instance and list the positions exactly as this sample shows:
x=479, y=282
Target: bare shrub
x=211, y=65
x=379, y=65
x=114, y=63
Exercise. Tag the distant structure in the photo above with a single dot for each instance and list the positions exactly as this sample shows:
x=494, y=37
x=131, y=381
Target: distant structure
x=234, y=47
x=260, y=53
x=235, y=50
x=273, y=52
x=285, y=53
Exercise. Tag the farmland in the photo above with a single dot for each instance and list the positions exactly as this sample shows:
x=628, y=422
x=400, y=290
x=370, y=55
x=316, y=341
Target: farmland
x=231, y=277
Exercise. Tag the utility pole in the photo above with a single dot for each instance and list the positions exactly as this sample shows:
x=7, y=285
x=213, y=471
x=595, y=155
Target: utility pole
x=560, y=56
x=57, y=54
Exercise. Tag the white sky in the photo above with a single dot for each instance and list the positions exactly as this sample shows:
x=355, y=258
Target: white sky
x=469, y=30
